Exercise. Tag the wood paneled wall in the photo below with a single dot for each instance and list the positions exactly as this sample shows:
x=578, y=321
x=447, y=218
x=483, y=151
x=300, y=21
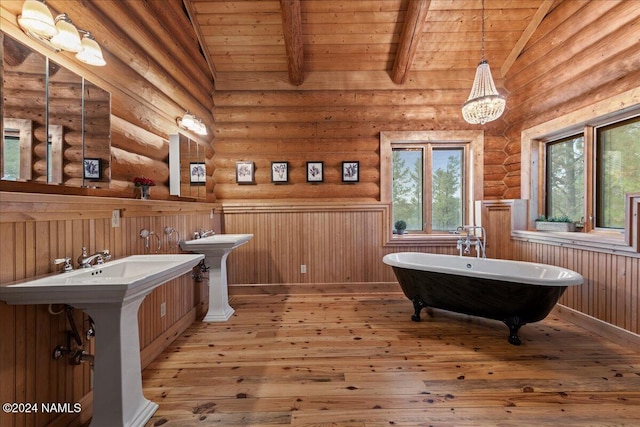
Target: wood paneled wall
x=37, y=230
x=582, y=52
x=611, y=288
x=338, y=243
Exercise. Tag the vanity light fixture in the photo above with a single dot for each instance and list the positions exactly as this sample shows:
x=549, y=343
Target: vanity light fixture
x=60, y=34
x=192, y=123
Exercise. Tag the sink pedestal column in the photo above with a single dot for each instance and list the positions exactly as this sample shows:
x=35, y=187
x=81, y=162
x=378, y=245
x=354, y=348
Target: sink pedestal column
x=216, y=249
x=219, y=308
x=117, y=393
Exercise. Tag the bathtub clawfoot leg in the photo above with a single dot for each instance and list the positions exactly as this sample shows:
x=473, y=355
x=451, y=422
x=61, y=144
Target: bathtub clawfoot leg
x=514, y=325
x=418, y=305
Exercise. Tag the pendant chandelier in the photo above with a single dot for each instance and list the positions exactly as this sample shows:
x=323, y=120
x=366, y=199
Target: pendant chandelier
x=484, y=104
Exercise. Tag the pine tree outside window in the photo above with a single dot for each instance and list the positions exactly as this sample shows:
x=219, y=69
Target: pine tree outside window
x=428, y=189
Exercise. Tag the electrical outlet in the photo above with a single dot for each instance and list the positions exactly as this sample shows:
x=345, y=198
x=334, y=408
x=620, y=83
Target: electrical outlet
x=115, y=218
x=303, y=268
x=163, y=309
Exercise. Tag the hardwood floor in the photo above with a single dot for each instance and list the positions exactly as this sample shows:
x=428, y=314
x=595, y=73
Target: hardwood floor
x=358, y=360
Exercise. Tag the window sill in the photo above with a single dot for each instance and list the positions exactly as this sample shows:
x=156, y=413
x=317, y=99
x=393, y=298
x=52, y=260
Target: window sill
x=422, y=240
x=607, y=242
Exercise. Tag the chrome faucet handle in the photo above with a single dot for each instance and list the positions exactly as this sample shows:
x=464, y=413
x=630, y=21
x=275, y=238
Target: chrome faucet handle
x=84, y=251
x=66, y=261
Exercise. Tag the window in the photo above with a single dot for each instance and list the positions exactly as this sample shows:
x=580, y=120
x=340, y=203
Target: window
x=617, y=170
x=11, y=156
x=434, y=204
x=429, y=179
x=565, y=178
x=602, y=171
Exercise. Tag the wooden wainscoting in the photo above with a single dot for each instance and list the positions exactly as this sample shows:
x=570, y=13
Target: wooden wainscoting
x=336, y=242
x=35, y=229
x=611, y=288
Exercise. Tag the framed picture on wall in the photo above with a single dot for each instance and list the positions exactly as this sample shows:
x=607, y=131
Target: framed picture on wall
x=92, y=168
x=245, y=173
x=279, y=172
x=197, y=173
x=350, y=171
x=315, y=171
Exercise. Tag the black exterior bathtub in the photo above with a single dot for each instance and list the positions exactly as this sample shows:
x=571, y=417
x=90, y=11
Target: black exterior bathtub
x=513, y=292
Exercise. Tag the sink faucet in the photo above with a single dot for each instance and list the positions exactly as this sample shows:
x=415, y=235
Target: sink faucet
x=200, y=234
x=67, y=263
x=85, y=261
x=464, y=244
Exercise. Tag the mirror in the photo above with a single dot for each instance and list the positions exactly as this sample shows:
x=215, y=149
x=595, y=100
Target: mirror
x=56, y=124
x=97, y=136
x=24, y=97
x=187, y=168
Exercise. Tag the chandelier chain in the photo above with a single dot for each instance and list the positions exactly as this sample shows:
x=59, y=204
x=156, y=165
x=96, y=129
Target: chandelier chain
x=483, y=30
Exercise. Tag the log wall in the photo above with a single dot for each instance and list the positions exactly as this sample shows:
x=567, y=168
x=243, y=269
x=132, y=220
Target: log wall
x=34, y=232
x=582, y=52
x=335, y=125
x=151, y=77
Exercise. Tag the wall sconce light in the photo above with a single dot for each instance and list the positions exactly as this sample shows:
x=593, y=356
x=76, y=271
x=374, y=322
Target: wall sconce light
x=192, y=123
x=60, y=34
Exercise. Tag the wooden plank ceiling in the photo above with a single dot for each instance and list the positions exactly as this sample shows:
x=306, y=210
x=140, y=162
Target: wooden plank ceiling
x=296, y=41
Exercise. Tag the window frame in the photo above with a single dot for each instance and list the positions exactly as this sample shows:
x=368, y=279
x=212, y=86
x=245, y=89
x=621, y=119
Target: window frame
x=427, y=148
x=584, y=120
x=473, y=175
x=591, y=167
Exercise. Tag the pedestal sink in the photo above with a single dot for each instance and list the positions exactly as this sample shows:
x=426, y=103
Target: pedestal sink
x=111, y=294
x=216, y=248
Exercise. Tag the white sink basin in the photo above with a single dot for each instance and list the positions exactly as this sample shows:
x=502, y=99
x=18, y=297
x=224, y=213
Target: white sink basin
x=215, y=242
x=216, y=248
x=111, y=294
x=114, y=281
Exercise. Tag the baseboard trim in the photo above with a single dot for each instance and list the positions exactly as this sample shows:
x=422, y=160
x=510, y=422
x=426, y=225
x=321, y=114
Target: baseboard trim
x=313, y=288
x=599, y=327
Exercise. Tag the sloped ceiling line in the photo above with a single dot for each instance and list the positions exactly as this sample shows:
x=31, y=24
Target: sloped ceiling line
x=526, y=35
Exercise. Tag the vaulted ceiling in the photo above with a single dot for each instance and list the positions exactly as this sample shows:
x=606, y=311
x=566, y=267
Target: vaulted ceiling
x=370, y=43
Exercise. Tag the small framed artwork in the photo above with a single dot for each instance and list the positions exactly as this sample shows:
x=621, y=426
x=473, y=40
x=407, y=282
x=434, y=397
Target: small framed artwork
x=279, y=172
x=197, y=173
x=350, y=171
x=315, y=171
x=245, y=172
x=92, y=168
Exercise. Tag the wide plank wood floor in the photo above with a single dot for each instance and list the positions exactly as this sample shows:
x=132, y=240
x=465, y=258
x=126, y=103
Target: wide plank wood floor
x=348, y=360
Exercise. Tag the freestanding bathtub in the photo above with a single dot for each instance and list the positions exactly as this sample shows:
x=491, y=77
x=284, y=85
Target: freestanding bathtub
x=513, y=292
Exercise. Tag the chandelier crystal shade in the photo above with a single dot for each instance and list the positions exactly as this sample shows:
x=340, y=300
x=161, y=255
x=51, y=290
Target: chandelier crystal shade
x=484, y=104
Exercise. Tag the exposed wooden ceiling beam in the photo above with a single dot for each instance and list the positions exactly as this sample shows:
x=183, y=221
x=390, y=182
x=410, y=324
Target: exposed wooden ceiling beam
x=526, y=35
x=292, y=29
x=413, y=26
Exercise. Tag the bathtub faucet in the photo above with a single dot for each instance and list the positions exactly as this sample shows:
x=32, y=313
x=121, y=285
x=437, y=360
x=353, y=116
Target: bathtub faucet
x=463, y=244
